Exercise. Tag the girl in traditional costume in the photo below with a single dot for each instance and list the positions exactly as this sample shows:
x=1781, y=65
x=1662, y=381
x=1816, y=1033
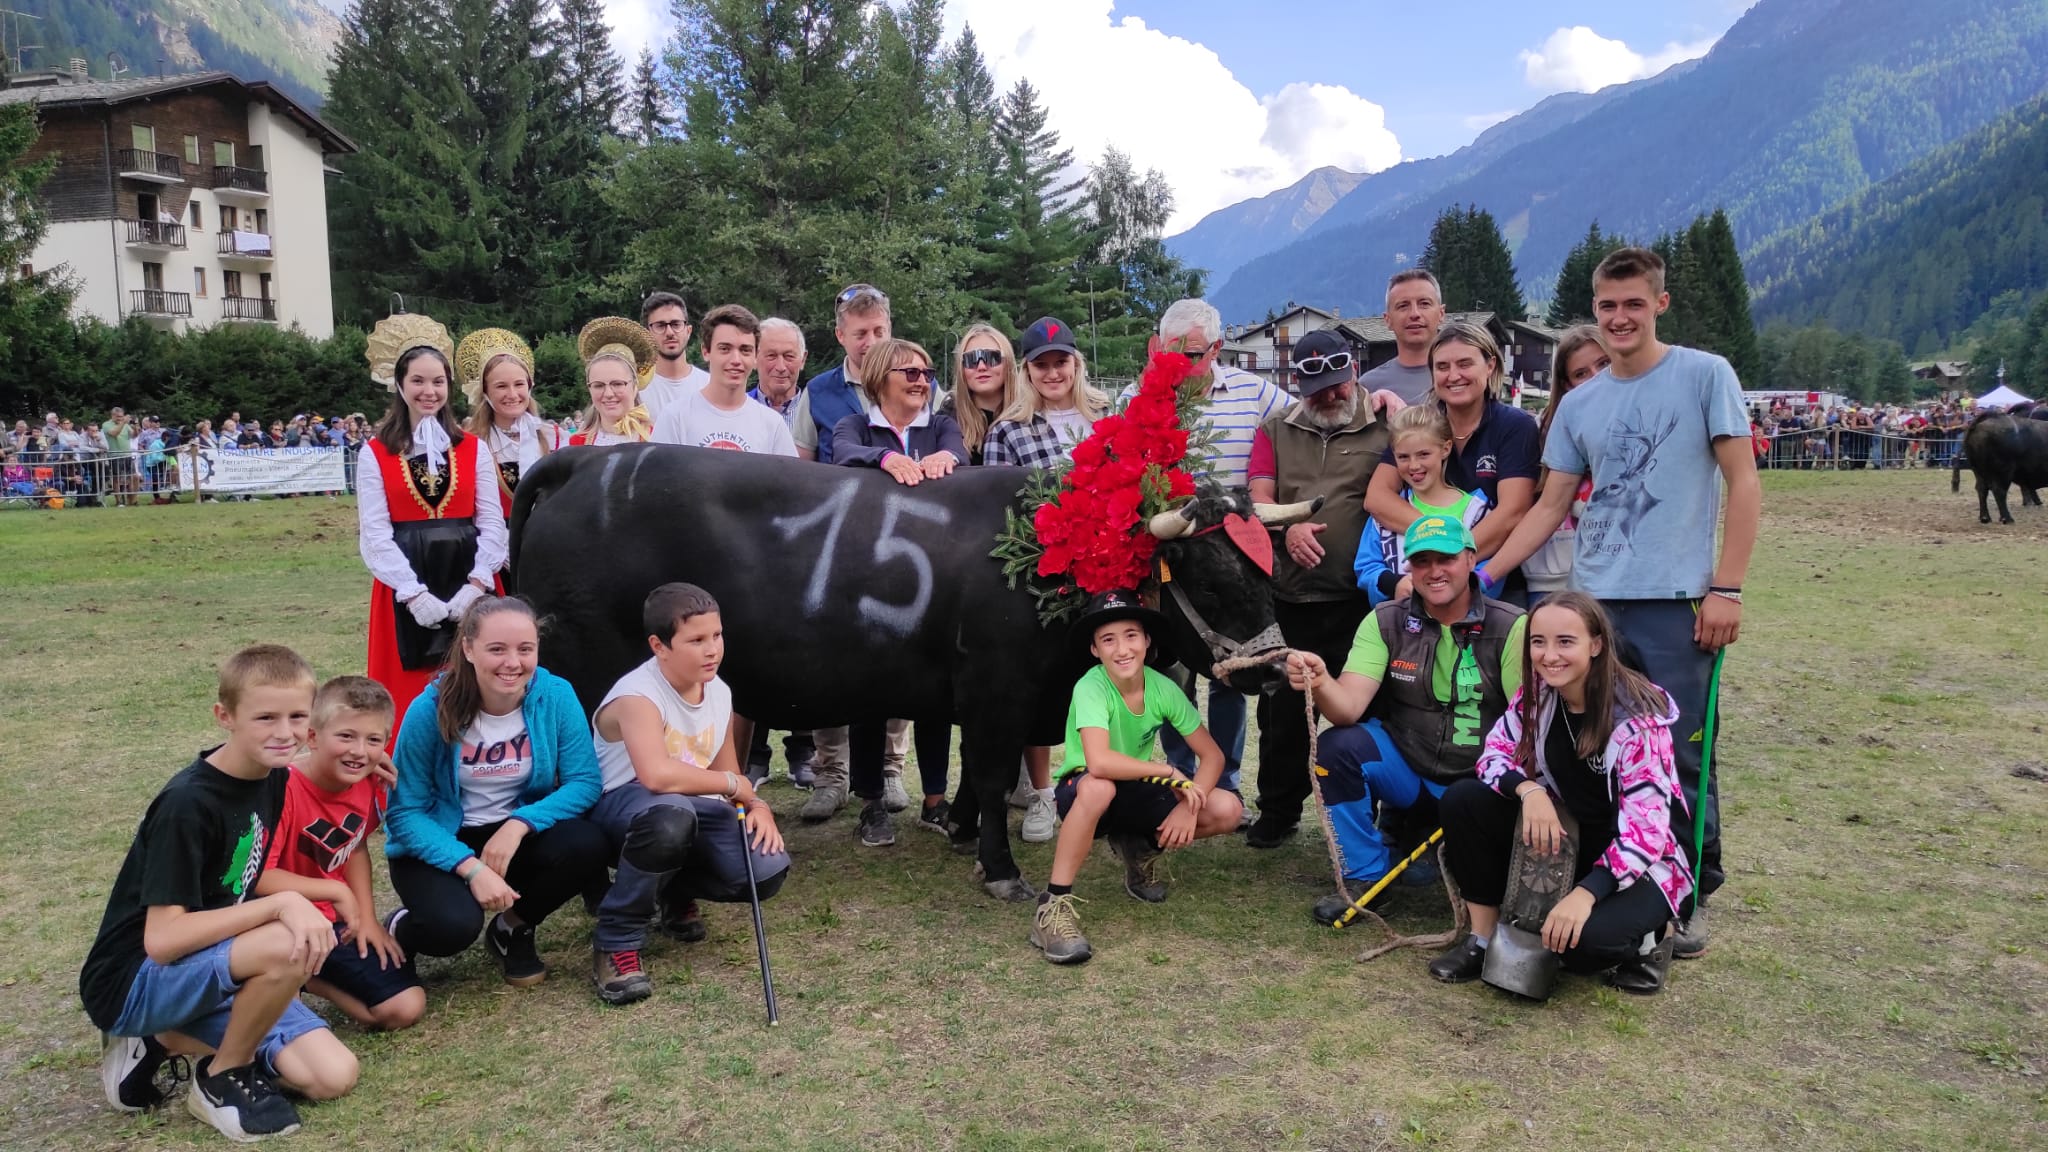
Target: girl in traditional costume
x=617, y=355
x=496, y=370
x=431, y=544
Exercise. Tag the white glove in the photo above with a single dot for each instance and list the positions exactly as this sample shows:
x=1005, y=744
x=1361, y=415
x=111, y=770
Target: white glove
x=427, y=609
x=460, y=602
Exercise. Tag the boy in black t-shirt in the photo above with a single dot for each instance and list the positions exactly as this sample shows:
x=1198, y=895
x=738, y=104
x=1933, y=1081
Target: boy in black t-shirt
x=188, y=960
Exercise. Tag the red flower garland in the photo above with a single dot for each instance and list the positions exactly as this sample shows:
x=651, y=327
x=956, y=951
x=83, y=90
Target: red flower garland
x=1127, y=470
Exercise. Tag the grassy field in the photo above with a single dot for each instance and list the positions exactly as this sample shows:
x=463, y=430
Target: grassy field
x=1877, y=979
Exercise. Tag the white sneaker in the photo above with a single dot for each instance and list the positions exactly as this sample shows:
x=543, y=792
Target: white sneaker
x=1022, y=795
x=894, y=798
x=1041, y=819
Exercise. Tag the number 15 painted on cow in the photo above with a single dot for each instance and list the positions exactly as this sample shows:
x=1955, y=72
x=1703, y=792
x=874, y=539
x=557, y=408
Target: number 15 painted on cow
x=901, y=619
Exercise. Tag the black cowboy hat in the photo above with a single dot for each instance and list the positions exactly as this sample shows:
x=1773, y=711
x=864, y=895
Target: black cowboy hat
x=1121, y=604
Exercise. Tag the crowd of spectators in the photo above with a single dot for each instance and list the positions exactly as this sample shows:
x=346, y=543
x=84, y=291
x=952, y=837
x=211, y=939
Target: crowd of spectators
x=1852, y=436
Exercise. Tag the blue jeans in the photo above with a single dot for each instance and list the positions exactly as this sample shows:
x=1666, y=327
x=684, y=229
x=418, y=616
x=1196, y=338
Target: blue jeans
x=1226, y=724
x=677, y=847
x=1355, y=766
x=193, y=995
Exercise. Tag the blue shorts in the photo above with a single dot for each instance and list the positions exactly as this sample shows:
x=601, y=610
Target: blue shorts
x=193, y=995
x=365, y=977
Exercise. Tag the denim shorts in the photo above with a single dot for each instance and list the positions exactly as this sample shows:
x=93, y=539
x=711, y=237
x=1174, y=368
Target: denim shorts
x=193, y=995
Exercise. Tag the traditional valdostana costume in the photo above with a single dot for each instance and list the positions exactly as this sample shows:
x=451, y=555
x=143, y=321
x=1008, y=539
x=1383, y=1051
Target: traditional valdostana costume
x=520, y=447
x=617, y=336
x=423, y=529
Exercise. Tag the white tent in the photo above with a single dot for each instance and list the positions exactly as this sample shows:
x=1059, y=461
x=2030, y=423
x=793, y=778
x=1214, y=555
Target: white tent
x=2000, y=397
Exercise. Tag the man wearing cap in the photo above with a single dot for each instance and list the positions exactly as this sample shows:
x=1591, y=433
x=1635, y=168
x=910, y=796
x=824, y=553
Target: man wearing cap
x=1450, y=658
x=1324, y=446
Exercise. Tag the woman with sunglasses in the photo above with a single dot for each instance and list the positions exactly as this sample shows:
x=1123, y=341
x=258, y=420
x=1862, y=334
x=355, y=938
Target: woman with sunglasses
x=1055, y=406
x=983, y=385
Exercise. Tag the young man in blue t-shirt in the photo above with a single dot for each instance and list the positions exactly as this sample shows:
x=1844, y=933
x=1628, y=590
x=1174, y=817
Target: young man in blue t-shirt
x=1659, y=432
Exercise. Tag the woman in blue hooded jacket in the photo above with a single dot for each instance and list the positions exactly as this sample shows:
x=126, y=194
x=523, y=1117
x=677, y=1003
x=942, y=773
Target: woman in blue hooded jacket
x=495, y=772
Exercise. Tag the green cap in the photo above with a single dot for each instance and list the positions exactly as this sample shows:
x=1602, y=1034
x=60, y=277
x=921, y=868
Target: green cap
x=1437, y=534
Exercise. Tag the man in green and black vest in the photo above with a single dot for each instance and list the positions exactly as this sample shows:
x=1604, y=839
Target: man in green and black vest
x=1449, y=658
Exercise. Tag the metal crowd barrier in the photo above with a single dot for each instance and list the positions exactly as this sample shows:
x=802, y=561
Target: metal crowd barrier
x=1851, y=449
x=65, y=479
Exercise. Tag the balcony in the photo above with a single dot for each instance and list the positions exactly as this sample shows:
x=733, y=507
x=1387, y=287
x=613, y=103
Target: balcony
x=244, y=246
x=246, y=183
x=155, y=167
x=155, y=234
x=157, y=302
x=248, y=308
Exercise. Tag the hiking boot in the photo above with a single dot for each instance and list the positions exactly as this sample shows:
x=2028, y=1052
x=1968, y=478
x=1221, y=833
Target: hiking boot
x=1328, y=910
x=619, y=977
x=1056, y=930
x=1270, y=831
x=1646, y=975
x=241, y=1103
x=828, y=796
x=804, y=773
x=877, y=827
x=1690, y=941
x=1461, y=963
x=934, y=817
x=128, y=1071
x=683, y=923
x=513, y=949
x=1141, y=872
x=894, y=798
x=1015, y=890
x=1041, y=819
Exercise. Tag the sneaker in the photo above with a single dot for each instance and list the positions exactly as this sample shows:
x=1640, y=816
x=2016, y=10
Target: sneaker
x=396, y=916
x=828, y=796
x=803, y=774
x=758, y=765
x=1056, y=930
x=1328, y=910
x=1690, y=941
x=1462, y=963
x=894, y=798
x=1022, y=795
x=877, y=827
x=128, y=1071
x=935, y=817
x=513, y=949
x=1270, y=831
x=241, y=1103
x=1015, y=890
x=619, y=977
x=1646, y=975
x=1246, y=818
x=683, y=923
x=1041, y=819
x=1422, y=874
x=1141, y=872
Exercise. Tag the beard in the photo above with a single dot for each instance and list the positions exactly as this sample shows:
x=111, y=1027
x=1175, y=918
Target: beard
x=1331, y=419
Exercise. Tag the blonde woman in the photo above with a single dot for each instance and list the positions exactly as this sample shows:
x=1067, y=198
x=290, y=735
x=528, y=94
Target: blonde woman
x=617, y=355
x=984, y=385
x=495, y=368
x=1054, y=406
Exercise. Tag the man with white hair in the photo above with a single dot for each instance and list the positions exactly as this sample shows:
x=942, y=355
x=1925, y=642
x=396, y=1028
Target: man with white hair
x=779, y=366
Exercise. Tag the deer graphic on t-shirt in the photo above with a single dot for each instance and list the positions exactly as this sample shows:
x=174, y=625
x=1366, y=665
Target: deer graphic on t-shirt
x=1621, y=499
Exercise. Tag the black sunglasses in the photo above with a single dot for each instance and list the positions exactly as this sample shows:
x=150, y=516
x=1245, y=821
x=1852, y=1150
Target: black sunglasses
x=982, y=358
x=1317, y=365
x=918, y=375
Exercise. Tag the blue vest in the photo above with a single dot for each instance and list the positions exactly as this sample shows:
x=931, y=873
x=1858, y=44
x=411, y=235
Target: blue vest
x=832, y=400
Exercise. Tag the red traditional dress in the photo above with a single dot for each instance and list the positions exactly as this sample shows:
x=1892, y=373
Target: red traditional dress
x=423, y=530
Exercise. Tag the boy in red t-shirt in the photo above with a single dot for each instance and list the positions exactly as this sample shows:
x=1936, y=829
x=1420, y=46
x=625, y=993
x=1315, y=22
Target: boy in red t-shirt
x=331, y=805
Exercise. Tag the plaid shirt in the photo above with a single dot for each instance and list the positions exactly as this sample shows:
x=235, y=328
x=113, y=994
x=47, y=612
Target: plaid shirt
x=1034, y=445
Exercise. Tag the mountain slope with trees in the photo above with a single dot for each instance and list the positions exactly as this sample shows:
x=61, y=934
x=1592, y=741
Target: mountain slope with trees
x=284, y=41
x=1222, y=241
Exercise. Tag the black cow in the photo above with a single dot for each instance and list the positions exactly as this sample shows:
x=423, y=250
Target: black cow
x=846, y=596
x=2003, y=449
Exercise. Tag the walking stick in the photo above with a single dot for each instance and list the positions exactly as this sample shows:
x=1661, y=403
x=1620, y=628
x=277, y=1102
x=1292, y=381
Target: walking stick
x=1359, y=904
x=760, y=931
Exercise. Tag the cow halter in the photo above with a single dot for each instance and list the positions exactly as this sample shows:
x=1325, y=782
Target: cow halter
x=1223, y=649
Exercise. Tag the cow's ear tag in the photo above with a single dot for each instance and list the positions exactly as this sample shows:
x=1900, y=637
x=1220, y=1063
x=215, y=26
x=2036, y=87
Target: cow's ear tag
x=1252, y=539
x=1165, y=573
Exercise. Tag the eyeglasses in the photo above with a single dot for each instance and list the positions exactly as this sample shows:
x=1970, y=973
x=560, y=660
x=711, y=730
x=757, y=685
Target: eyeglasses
x=668, y=325
x=917, y=375
x=1317, y=365
x=982, y=358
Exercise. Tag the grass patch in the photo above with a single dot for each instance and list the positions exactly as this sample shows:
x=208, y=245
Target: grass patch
x=1876, y=979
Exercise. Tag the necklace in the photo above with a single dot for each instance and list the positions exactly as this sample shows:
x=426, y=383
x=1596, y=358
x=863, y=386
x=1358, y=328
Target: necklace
x=1565, y=714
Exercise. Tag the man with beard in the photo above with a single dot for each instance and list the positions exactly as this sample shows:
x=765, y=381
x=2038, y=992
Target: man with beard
x=668, y=322
x=1325, y=446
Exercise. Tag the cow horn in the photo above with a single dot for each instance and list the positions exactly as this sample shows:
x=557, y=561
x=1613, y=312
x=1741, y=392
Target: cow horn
x=1274, y=515
x=1174, y=524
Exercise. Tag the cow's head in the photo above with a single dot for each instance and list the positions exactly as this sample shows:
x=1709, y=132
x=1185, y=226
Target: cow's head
x=1216, y=558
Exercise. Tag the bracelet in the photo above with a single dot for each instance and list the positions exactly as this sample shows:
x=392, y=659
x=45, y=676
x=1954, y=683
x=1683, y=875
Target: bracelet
x=732, y=785
x=1734, y=594
x=471, y=874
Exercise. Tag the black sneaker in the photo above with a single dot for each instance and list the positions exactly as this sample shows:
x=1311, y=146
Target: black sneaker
x=804, y=773
x=877, y=827
x=513, y=949
x=935, y=817
x=128, y=1071
x=1270, y=831
x=683, y=923
x=1461, y=964
x=1330, y=909
x=241, y=1103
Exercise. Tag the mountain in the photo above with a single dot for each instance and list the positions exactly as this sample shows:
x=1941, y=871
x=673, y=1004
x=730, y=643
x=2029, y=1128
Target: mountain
x=284, y=41
x=1227, y=237
x=1803, y=104
x=1921, y=256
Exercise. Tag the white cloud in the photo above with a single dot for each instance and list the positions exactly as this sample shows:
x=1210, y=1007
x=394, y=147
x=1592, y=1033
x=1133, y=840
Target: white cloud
x=637, y=24
x=1578, y=59
x=1170, y=103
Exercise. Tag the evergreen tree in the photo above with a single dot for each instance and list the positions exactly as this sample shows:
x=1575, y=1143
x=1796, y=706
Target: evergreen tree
x=1470, y=259
x=649, y=100
x=1571, y=302
x=1728, y=285
x=1034, y=242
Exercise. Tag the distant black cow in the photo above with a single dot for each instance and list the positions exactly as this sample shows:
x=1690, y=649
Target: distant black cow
x=846, y=596
x=2003, y=449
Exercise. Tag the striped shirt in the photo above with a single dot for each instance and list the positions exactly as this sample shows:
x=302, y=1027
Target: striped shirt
x=1238, y=403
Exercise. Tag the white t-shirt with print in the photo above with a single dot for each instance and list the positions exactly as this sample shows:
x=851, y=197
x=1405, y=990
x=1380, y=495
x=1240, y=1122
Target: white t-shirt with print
x=693, y=732
x=752, y=427
x=495, y=761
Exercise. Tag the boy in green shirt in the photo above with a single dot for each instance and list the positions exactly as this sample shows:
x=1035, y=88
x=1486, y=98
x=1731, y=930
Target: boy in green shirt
x=1108, y=784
